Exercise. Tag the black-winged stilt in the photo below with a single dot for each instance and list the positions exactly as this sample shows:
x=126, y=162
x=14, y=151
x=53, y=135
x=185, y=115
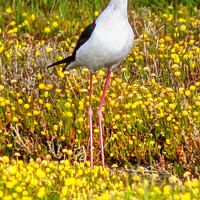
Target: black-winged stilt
x=104, y=43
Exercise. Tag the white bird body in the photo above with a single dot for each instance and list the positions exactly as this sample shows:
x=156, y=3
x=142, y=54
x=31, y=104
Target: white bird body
x=109, y=43
x=104, y=43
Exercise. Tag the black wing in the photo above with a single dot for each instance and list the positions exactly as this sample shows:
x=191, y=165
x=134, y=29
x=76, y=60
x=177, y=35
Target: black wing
x=67, y=60
x=85, y=35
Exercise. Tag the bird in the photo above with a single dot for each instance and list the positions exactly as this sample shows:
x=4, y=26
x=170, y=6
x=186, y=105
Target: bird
x=104, y=43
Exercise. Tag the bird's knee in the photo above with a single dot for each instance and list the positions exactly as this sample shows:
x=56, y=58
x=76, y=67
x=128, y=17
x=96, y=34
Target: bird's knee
x=99, y=113
x=90, y=111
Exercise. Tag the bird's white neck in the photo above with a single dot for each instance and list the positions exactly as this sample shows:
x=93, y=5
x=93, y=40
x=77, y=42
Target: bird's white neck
x=120, y=4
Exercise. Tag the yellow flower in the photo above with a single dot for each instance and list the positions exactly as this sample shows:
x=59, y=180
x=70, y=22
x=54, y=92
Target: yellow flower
x=47, y=30
x=79, y=183
x=96, y=13
x=153, y=81
x=141, y=190
x=168, y=141
x=1, y=87
x=175, y=66
x=192, y=87
x=39, y=76
x=5, y=159
x=196, y=190
x=40, y=174
x=29, y=99
x=32, y=17
x=55, y=24
x=185, y=113
x=12, y=170
x=169, y=118
x=28, y=114
x=19, y=189
x=69, y=152
x=168, y=38
x=37, y=53
x=183, y=28
x=181, y=20
x=46, y=94
x=62, y=138
x=61, y=74
x=105, y=196
x=41, y=86
x=67, y=105
x=70, y=181
x=186, y=196
x=59, y=58
x=34, y=182
x=152, y=142
x=36, y=112
x=165, y=15
x=96, y=130
x=15, y=30
x=64, y=191
x=187, y=93
x=2, y=104
x=113, y=83
x=43, y=133
x=180, y=90
x=41, y=101
x=9, y=145
x=20, y=101
x=80, y=119
x=177, y=73
x=48, y=50
x=146, y=69
x=15, y=119
x=26, y=106
x=17, y=154
x=8, y=56
x=117, y=117
x=58, y=90
x=25, y=193
x=55, y=127
x=9, y=184
x=130, y=142
x=9, y=10
x=48, y=105
x=41, y=192
x=69, y=114
x=12, y=23
x=186, y=174
x=64, y=150
x=166, y=190
x=195, y=113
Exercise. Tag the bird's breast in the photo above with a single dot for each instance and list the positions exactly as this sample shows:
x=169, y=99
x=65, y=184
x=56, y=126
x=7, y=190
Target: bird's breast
x=108, y=45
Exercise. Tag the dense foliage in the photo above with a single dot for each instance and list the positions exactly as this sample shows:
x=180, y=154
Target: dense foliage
x=151, y=112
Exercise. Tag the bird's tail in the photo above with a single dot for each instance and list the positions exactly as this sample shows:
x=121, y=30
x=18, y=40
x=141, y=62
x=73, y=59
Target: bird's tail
x=67, y=60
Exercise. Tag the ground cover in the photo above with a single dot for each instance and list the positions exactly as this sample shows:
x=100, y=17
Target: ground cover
x=151, y=113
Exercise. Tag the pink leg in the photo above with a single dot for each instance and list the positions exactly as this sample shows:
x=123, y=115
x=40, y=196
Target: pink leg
x=99, y=114
x=90, y=114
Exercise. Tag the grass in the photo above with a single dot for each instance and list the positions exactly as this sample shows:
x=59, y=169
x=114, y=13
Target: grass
x=151, y=113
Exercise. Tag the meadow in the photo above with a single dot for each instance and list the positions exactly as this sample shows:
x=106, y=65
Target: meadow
x=151, y=115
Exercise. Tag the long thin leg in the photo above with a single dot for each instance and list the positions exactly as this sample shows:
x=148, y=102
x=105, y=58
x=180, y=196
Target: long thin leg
x=99, y=114
x=90, y=114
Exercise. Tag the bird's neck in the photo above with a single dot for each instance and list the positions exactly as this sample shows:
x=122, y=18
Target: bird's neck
x=120, y=4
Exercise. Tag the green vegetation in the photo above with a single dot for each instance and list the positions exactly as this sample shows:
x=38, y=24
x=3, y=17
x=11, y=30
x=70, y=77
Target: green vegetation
x=151, y=113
